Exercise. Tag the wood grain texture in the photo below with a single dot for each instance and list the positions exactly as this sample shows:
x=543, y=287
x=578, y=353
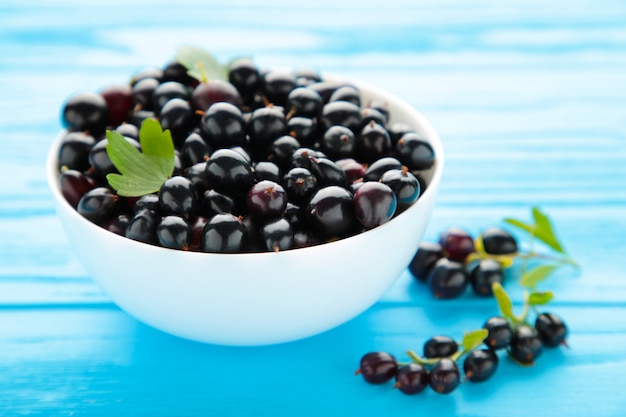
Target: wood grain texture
x=530, y=101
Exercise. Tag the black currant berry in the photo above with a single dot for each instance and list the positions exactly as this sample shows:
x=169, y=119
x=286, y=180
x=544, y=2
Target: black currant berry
x=300, y=185
x=411, y=379
x=147, y=202
x=526, y=346
x=142, y=227
x=447, y=279
x=142, y=92
x=166, y=91
x=444, y=376
x=372, y=143
x=214, y=91
x=224, y=233
x=97, y=205
x=480, y=365
x=346, y=93
x=86, y=112
x=265, y=126
x=457, y=244
x=276, y=235
x=497, y=241
x=328, y=173
x=440, y=347
x=177, y=116
x=74, y=151
x=425, y=258
x=282, y=149
x=374, y=204
x=117, y=224
x=223, y=125
x=174, y=232
x=331, y=211
x=353, y=169
x=276, y=86
x=194, y=150
x=177, y=196
x=265, y=170
x=74, y=184
x=415, y=152
x=377, y=367
x=229, y=172
x=499, y=334
x=266, y=199
x=338, y=142
x=304, y=102
x=119, y=99
x=484, y=274
x=404, y=184
x=376, y=170
x=304, y=129
x=341, y=113
x=551, y=328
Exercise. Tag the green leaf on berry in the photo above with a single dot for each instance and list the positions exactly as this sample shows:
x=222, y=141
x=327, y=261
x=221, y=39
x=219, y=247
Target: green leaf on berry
x=504, y=301
x=540, y=298
x=533, y=277
x=541, y=230
x=201, y=64
x=141, y=172
x=473, y=339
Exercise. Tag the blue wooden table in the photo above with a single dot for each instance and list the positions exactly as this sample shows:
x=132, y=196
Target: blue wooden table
x=530, y=101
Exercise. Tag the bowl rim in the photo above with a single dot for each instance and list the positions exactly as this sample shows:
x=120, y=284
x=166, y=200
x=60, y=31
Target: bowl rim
x=417, y=120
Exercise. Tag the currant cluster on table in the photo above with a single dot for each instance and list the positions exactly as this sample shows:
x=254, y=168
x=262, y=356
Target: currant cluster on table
x=438, y=366
x=445, y=265
x=268, y=160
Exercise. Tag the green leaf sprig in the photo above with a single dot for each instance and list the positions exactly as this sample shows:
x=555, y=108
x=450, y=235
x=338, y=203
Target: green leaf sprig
x=541, y=230
x=471, y=340
x=200, y=64
x=141, y=172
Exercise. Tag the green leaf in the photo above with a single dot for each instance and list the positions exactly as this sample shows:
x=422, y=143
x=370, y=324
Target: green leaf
x=530, y=228
x=504, y=302
x=540, y=298
x=201, y=64
x=473, y=339
x=141, y=173
x=545, y=232
x=533, y=277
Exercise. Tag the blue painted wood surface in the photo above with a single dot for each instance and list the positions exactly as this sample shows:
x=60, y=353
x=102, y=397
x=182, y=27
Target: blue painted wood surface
x=530, y=101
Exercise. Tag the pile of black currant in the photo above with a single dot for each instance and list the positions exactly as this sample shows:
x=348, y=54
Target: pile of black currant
x=438, y=367
x=453, y=263
x=269, y=160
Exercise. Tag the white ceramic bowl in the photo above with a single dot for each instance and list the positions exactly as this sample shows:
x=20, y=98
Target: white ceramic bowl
x=256, y=298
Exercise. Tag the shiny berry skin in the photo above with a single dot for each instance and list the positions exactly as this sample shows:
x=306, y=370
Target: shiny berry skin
x=223, y=126
x=266, y=170
x=224, y=233
x=457, y=244
x=266, y=199
x=281, y=149
x=338, y=142
x=484, y=274
x=174, y=71
x=551, y=328
x=372, y=143
x=377, y=367
x=500, y=333
x=480, y=365
x=214, y=202
x=397, y=130
x=376, y=170
x=300, y=185
x=174, y=232
x=142, y=227
x=147, y=202
x=526, y=346
x=447, y=279
x=276, y=235
x=372, y=115
x=229, y=172
x=265, y=126
x=276, y=86
x=444, y=376
x=341, y=113
x=117, y=224
x=74, y=185
x=346, y=93
x=404, y=184
x=411, y=379
x=177, y=196
x=214, y=91
x=497, y=241
x=119, y=100
x=177, y=116
x=352, y=168
x=244, y=75
x=328, y=173
x=194, y=150
x=167, y=91
x=128, y=130
x=86, y=111
x=304, y=129
x=374, y=204
x=427, y=255
x=414, y=151
x=97, y=205
x=305, y=102
x=150, y=72
x=143, y=91
x=331, y=211
x=440, y=347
